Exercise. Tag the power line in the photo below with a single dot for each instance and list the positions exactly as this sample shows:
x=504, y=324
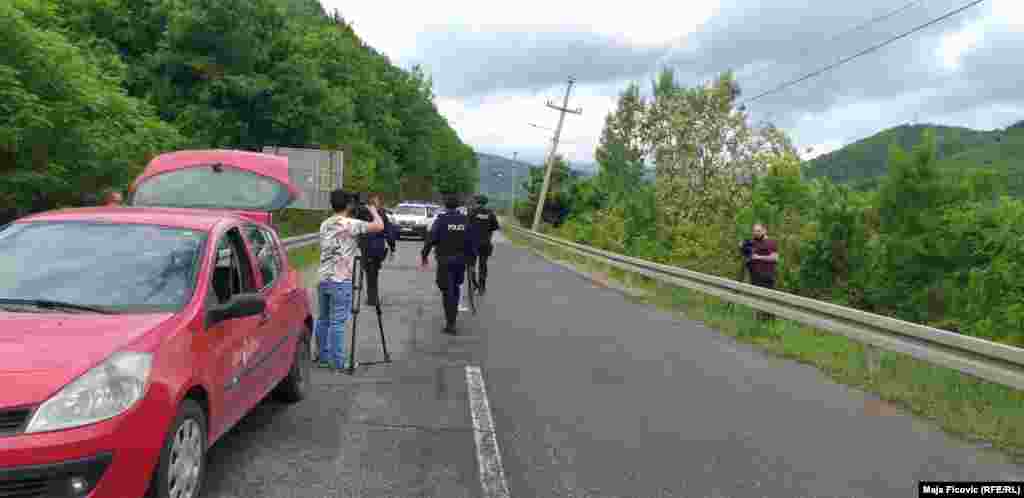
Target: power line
x=861, y=53
x=874, y=20
x=869, y=22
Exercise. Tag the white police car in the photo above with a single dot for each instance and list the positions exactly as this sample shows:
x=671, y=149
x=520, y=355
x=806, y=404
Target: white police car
x=414, y=218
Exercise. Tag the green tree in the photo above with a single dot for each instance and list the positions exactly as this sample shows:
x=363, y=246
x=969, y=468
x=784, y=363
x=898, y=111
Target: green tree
x=67, y=128
x=912, y=200
x=165, y=74
x=702, y=147
x=983, y=296
x=621, y=151
x=556, y=202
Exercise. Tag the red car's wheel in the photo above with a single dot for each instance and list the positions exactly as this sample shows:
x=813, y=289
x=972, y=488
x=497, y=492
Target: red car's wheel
x=295, y=386
x=182, y=466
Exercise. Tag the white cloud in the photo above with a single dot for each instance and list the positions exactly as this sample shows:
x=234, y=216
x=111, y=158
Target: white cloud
x=955, y=45
x=947, y=80
x=392, y=29
x=500, y=123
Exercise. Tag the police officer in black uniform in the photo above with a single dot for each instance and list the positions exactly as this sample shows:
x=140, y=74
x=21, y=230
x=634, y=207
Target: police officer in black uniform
x=456, y=243
x=485, y=223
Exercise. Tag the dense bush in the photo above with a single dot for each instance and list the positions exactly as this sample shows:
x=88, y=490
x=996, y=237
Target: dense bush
x=921, y=243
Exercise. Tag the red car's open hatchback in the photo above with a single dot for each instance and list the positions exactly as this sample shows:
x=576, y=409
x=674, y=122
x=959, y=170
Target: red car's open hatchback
x=132, y=338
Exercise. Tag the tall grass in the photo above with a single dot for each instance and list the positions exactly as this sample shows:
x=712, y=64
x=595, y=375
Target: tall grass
x=304, y=257
x=291, y=222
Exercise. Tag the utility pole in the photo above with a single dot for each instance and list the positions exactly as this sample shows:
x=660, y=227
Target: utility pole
x=554, y=148
x=515, y=184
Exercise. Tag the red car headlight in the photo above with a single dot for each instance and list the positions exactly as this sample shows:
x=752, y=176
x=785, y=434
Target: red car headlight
x=105, y=391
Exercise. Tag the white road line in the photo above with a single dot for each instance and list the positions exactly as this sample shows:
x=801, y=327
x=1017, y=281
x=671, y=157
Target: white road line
x=492, y=475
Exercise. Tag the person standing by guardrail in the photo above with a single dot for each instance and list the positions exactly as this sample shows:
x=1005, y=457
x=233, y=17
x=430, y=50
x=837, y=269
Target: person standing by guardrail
x=339, y=245
x=762, y=255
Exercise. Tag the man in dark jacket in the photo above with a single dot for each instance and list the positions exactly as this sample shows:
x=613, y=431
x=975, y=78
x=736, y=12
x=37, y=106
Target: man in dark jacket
x=485, y=223
x=456, y=243
x=761, y=255
x=377, y=245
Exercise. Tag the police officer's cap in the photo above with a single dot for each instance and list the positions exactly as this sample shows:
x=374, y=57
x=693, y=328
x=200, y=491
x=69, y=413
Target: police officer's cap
x=451, y=200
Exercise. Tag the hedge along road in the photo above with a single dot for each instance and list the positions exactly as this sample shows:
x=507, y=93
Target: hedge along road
x=590, y=395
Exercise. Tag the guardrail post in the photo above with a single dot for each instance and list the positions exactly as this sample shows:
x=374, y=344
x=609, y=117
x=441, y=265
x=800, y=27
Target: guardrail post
x=873, y=357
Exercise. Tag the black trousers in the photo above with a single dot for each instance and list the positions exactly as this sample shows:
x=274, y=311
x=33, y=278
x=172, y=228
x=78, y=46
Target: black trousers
x=767, y=281
x=451, y=272
x=372, y=267
x=483, y=253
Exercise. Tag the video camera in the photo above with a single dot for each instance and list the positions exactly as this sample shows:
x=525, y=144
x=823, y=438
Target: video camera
x=747, y=249
x=360, y=206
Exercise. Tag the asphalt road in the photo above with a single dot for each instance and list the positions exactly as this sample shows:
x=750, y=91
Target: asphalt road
x=592, y=396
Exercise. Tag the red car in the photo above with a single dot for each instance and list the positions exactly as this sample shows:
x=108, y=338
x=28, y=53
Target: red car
x=132, y=338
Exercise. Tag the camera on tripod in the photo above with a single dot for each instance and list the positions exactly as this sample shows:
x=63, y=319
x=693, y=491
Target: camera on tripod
x=361, y=208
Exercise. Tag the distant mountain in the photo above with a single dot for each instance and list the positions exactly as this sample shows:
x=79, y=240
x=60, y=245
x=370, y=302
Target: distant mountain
x=863, y=163
x=499, y=175
x=585, y=169
x=1005, y=155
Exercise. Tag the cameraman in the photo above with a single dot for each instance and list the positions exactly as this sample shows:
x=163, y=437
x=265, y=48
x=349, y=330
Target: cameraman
x=339, y=237
x=375, y=246
x=485, y=223
x=456, y=243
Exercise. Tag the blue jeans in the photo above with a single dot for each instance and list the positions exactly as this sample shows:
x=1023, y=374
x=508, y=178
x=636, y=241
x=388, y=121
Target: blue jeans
x=335, y=306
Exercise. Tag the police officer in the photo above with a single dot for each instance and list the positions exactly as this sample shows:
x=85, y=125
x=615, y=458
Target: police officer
x=485, y=223
x=376, y=250
x=456, y=243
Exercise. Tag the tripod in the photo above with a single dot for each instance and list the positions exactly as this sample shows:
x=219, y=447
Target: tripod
x=358, y=274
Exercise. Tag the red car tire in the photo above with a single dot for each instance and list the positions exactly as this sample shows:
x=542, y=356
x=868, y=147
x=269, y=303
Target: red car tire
x=180, y=472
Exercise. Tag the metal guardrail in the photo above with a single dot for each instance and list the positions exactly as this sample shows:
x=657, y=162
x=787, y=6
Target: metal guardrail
x=988, y=360
x=300, y=241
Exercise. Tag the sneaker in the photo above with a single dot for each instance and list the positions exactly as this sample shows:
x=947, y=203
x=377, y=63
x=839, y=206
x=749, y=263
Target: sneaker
x=463, y=307
x=449, y=329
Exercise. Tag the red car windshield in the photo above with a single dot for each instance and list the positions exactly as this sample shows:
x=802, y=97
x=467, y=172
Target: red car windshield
x=125, y=268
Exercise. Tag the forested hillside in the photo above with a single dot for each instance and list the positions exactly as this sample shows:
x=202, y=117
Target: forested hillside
x=862, y=164
x=91, y=89
x=1005, y=156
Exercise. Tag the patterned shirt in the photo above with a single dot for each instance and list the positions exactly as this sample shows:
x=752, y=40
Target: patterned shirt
x=338, y=246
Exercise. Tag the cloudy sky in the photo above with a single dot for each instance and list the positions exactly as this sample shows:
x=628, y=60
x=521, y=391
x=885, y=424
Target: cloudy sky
x=495, y=64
